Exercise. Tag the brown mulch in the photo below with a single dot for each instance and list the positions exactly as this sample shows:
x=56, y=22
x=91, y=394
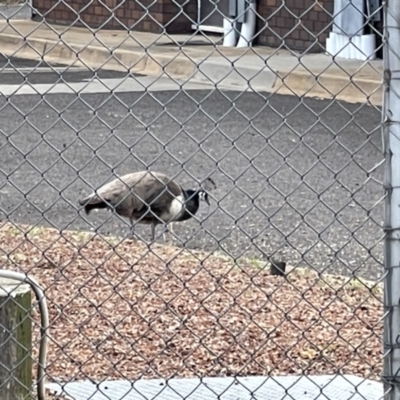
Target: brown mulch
x=124, y=310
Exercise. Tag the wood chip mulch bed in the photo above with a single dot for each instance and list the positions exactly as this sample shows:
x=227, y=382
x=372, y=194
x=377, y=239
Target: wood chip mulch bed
x=123, y=310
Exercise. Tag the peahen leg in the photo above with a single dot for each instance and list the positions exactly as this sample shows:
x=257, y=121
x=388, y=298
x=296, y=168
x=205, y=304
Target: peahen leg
x=153, y=232
x=171, y=232
x=132, y=228
x=168, y=233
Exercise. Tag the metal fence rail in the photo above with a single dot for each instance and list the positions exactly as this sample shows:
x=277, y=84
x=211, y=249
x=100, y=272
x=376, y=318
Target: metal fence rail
x=284, y=142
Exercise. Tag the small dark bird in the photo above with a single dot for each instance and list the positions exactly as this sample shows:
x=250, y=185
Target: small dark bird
x=149, y=198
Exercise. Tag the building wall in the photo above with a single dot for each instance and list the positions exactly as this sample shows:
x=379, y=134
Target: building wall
x=301, y=23
x=140, y=15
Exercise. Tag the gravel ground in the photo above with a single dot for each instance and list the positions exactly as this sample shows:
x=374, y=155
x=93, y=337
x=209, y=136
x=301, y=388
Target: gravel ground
x=119, y=310
x=292, y=176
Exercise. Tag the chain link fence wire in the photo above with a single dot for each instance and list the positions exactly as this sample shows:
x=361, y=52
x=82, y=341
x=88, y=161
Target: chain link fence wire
x=291, y=136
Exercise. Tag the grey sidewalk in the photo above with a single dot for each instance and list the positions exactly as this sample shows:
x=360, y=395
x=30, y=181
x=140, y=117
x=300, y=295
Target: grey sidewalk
x=261, y=68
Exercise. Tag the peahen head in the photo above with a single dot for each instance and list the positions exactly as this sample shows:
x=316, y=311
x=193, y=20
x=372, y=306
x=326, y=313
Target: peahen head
x=202, y=193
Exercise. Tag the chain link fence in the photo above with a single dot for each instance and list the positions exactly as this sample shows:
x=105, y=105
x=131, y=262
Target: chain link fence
x=273, y=290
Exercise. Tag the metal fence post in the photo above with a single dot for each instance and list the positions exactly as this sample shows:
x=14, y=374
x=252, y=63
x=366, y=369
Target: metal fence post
x=392, y=217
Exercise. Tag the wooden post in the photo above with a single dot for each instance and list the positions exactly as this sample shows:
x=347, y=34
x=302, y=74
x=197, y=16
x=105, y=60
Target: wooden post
x=15, y=340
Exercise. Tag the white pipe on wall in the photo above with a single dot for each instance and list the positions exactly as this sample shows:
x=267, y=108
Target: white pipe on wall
x=357, y=47
x=229, y=32
x=347, y=38
x=249, y=26
x=368, y=47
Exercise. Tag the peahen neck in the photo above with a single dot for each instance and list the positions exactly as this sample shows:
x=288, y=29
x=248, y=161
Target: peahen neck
x=192, y=203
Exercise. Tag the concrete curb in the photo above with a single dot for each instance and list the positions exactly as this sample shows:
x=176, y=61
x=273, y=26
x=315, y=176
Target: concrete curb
x=95, y=56
x=330, y=86
x=357, y=89
x=298, y=83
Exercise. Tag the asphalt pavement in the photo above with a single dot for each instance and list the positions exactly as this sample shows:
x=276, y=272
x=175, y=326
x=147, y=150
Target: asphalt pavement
x=292, y=175
x=16, y=63
x=17, y=71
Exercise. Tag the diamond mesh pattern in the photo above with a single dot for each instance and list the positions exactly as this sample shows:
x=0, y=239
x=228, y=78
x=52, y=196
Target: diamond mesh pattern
x=297, y=157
